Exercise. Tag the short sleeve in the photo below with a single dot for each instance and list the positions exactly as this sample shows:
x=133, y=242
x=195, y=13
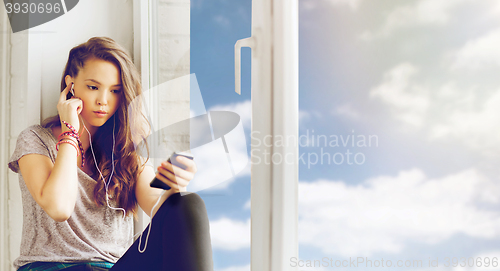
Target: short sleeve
x=29, y=141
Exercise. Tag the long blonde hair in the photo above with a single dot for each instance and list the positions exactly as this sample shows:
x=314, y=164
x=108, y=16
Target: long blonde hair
x=127, y=161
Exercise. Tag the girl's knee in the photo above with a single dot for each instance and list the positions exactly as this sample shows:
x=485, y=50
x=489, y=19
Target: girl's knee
x=187, y=203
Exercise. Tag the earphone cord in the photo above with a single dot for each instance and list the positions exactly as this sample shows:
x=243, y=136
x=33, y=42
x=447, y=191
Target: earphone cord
x=150, y=222
x=107, y=183
x=112, y=165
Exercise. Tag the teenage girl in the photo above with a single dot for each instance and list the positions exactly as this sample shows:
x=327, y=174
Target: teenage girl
x=81, y=179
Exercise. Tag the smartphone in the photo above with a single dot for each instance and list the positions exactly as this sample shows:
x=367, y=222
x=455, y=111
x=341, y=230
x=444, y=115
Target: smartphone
x=158, y=183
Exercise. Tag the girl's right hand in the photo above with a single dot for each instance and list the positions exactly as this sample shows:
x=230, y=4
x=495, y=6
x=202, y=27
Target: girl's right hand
x=69, y=109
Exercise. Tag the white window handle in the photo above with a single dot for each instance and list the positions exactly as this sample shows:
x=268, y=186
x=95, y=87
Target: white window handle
x=248, y=42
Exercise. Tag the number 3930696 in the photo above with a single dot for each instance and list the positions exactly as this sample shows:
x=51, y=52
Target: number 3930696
x=471, y=261
x=33, y=8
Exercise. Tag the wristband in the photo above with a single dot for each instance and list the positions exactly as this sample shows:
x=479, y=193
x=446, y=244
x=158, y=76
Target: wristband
x=72, y=139
x=70, y=127
x=71, y=143
x=73, y=133
x=68, y=133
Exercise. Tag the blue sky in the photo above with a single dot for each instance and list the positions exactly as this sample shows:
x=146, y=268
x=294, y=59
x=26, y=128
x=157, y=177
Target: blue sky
x=421, y=77
x=215, y=27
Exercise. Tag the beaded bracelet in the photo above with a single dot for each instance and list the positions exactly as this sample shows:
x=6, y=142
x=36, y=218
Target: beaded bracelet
x=70, y=127
x=73, y=140
x=69, y=133
x=71, y=143
x=73, y=133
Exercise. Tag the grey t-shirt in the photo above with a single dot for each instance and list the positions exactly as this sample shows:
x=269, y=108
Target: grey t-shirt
x=92, y=233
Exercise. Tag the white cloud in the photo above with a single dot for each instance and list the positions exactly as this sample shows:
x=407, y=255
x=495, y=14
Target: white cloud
x=215, y=167
x=353, y=4
x=478, y=53
x=308, y=4
x=423, y=12
x=228, y=234
x=496, y=9
x=313, y=4
x=243, y=109
x=445, y=112
x=305, y=115
x=192, y=113
x=222, y=20
x=386, y=213
x=477, y=128
x=197, y=4
x=408, y=100
x=237, y=268
x=247, y=205
x=346, y=110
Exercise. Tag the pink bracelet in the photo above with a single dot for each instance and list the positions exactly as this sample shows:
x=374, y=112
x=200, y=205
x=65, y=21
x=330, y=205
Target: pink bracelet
x=70, y=127
x=71, y=143
x=75, y=137
x=69, y=133
x=73, y=133
x=72, y=139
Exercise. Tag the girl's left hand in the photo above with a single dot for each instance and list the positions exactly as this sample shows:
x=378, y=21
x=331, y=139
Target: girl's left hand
x=176, y=177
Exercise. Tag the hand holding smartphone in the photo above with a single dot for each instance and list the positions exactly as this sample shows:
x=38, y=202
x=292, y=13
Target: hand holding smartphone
x=158, y=183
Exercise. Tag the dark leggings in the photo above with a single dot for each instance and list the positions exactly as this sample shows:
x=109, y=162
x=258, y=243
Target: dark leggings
x=179, y=238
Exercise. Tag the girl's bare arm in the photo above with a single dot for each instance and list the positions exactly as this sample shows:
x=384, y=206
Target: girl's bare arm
x=54, y=186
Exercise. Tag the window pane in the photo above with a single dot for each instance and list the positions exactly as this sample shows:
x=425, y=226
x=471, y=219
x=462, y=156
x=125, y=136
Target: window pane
x=215, y=28
x=398, y=103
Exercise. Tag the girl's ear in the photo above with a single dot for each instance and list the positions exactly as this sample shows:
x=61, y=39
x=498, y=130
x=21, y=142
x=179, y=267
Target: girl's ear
x=68, y=80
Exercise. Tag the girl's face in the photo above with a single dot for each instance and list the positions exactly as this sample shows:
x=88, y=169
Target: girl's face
x=98, y=85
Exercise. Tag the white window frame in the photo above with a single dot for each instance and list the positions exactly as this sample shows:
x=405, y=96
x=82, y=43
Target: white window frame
x=274, y=189
x=151, y=32
x=144, y=25
x=5, y=40
x=275, y=108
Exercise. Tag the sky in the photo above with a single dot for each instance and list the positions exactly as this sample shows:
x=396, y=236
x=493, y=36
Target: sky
x=404, y=97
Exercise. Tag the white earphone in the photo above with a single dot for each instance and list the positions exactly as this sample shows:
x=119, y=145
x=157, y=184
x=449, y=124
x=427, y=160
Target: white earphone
x=112, y=165
x=109, y=179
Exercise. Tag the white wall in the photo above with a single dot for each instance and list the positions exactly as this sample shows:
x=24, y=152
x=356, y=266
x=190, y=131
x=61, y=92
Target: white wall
x=111, y=18
x=5, y=49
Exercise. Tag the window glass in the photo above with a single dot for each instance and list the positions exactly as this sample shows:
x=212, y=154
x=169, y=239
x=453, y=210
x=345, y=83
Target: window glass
x=399, y=117
x=216, y=25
